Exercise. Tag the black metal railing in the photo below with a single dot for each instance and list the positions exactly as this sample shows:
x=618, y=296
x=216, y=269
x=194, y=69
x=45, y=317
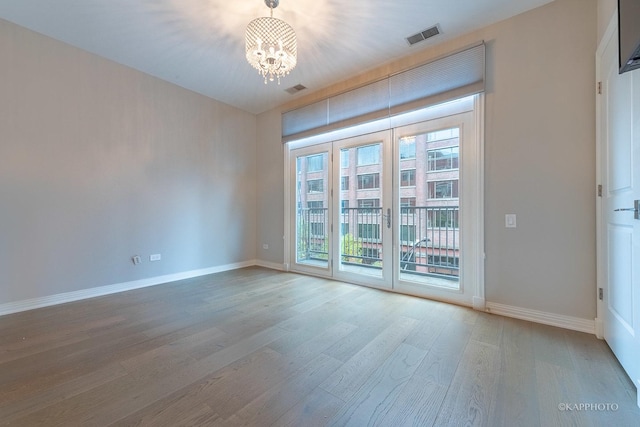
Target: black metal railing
x=312, y=228
x=428, y=238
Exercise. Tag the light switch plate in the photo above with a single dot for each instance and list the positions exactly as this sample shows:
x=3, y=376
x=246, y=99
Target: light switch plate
x=510, y=220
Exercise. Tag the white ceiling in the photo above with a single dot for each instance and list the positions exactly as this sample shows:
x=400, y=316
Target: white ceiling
x=199, y=44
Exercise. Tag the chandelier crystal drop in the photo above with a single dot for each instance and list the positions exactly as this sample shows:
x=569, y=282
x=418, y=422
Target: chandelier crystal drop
x=271, y=46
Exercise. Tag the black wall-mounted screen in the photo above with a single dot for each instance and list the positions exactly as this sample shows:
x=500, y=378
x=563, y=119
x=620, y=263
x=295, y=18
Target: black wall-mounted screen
x=629, y=35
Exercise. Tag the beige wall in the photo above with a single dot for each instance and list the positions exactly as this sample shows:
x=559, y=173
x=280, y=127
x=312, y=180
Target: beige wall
x=606, y=9
x=539, y=145
x=99, y=162
x=269, y=188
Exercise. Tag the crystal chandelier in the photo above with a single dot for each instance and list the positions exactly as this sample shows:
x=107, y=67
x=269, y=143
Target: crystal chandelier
x=271, y=46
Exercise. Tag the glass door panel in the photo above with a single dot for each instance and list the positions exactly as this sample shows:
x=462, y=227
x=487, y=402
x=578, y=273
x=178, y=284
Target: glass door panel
x=428, y=226
x=312, y=226
x=363, y=209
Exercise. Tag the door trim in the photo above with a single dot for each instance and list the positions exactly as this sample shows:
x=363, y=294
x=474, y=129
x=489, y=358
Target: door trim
x=601, y=281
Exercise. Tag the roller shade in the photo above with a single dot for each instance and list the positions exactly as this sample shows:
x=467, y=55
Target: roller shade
x=450, y=77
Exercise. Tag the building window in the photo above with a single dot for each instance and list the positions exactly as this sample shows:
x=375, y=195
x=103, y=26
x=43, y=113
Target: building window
x=315, y=206
x=315, y=186
x=314, y=163
x=344, y=158
x=344, y=205
x=344, y=183
x=408, y=233
x=407, y=205
x=408, y=148
x=369, y=232
x=408, y=178
x=443, y=159
x=406, y=202
x=317, y=229
x=369, y=155
x=365, y=205
x=442, y=189
x=444, y=218
x=443, y=261
x=370, y=255
x=368, y=181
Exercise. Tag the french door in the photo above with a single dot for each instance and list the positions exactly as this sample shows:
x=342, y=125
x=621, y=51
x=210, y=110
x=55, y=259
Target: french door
x=395, y=209
x=363, y=215
x=436, y=204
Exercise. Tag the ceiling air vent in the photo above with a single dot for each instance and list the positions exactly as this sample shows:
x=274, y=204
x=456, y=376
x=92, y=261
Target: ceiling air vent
x=295, y=89
x=423, y=35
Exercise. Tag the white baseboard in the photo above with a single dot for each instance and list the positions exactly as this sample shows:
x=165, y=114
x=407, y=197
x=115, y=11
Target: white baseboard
x=271, y=265
x=30, y=304
x=567, y=322
x=479, y=304
x=559, y=320
x=599, y=328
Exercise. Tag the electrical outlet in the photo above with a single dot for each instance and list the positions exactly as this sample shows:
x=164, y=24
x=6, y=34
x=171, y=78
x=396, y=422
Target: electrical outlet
x=265, y=246
x=136, y=259
x=155, y=257
x=510, y=220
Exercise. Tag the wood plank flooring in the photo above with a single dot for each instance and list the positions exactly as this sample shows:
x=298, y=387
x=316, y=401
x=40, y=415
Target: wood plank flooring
x=257, y=347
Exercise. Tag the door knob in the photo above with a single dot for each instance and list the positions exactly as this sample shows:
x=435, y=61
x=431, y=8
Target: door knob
x=635, y=209
x=388, y=218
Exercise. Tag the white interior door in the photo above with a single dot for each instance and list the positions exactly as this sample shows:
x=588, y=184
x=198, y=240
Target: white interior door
x=619, y=223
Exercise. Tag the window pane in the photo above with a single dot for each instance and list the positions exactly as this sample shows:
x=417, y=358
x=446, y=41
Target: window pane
x=408, y=147
x=443, y=159
x=368, y=203
x=315, y=206
x=311, y=214
x=314, y=163
x=344, y=158
x=407, y=202
x=344, y=183
x=408, y=178
x=315, y=186
x=408, y=233
x=367, y=181
x=443, y=218
x=369, y=155
x=369, y=231
x=442, y=189
x=455, y=157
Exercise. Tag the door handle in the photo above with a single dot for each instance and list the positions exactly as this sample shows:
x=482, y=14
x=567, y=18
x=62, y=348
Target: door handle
x=388, y=217
x=635, y=209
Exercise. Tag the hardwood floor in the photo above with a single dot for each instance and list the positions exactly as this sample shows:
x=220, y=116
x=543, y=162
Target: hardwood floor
x=260, y=347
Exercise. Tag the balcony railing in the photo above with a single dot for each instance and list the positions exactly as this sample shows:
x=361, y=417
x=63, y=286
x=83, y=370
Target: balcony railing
x=428, y=237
